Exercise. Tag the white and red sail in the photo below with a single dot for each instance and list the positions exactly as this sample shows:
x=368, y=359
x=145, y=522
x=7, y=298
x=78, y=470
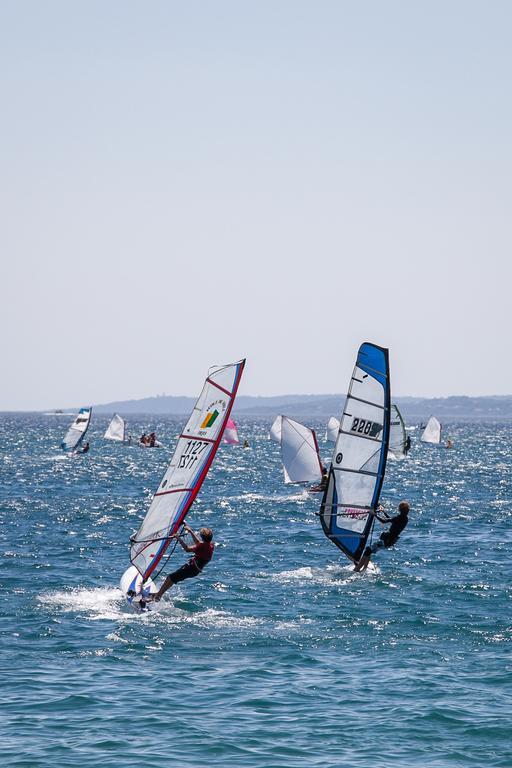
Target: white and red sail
x=194, y=453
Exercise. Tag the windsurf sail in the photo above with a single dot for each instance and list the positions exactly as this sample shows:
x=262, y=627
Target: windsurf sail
x=397, y=435
x=333, y=427
x=77, y=430
x=299, y=453
x=116, y=430
x=231, y=433
x=356, y=474
x=275, y=429
x=194, y=453
x=432, y=432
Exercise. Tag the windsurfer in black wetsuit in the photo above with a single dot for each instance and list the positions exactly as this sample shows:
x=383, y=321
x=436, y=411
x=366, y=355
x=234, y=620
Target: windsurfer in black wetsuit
x=407, y=446
x=387, y=538
x=84, y=449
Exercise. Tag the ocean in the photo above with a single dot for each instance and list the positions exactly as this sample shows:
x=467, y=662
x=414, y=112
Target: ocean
x=278, y=655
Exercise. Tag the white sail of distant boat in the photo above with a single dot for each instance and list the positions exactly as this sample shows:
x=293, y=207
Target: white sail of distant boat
x=432, y=432
x=116, y=430
x=77, y=430
x=356, y=474
x=193, y=455
x=397, y=435
x=299, y=453
x=333, y=427
x=275, y=429
x=231, y=433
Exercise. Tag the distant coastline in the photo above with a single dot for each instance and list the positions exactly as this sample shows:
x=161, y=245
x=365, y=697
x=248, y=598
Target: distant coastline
x=453, y=408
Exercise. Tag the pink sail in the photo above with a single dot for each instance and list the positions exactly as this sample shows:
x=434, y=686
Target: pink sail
x=231, y=433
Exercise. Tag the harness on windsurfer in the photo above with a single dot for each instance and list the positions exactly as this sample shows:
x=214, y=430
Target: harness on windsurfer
x=387, y=538
x=202, y=551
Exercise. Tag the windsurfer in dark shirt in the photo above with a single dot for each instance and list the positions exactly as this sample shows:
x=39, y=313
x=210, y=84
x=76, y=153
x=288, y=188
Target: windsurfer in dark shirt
x=387, y=538
x=84, y=449
x=202, y=550
x=407, y=446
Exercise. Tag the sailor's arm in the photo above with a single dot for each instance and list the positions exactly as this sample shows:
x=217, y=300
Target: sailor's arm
x=185, y=546
x=386, y=518
x=189, y=530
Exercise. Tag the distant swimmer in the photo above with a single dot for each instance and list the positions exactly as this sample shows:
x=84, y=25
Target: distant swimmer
x=202, y=550
x=387, y=538
x=84, y=448
x=449, y=443
x=246, y=444
x=407, y=446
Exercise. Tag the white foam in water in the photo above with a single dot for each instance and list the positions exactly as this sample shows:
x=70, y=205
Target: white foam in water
x=332, y=574
x=108, y=603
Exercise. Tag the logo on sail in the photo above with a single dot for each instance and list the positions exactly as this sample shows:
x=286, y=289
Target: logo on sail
x=212, y=414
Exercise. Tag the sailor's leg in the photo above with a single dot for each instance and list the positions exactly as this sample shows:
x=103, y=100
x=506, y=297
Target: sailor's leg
x=167, y=583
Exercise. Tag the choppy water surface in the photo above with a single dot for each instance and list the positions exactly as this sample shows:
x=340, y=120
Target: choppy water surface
x=278, y=655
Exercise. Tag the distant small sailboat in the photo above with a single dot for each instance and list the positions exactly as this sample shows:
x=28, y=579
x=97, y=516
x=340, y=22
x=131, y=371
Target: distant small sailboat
x=275, y=429
x=299, y=453
x=333, y=427
x=432, y=432
x=231, y=433
x=397, y=435
x=116, y=430
x=356, y=474
x=77, y=430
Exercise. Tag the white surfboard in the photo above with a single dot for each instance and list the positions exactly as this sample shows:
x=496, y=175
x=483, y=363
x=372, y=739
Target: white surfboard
x=131, y=587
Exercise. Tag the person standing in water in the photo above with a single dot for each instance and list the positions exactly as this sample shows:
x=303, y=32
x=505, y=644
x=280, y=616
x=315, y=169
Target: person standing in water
x=202, y=550
x=387, y=538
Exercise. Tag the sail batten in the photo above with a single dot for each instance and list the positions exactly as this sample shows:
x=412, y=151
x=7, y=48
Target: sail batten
x=358, y=465
x=193, y=455
x=77, y=430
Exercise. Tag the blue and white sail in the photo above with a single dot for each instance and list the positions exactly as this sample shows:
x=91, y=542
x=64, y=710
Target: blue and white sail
x=356, y=474
x=77, y=430
x=397, y=434
x=194, y=453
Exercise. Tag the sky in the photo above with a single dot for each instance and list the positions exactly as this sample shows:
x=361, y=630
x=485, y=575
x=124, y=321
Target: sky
x=187, y=184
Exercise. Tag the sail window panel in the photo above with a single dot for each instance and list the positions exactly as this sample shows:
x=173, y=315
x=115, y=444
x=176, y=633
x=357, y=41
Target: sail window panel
x=355, y=489
x=366, y=387
x=353, y=452
x=347, y=521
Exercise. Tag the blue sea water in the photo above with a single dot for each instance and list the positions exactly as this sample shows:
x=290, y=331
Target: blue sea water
x=278, y=655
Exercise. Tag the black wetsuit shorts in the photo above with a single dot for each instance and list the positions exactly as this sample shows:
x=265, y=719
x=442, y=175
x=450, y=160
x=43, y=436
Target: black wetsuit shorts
x=187, y=571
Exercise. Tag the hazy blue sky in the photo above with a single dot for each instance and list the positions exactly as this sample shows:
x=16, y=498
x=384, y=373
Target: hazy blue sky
x=188, y=183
